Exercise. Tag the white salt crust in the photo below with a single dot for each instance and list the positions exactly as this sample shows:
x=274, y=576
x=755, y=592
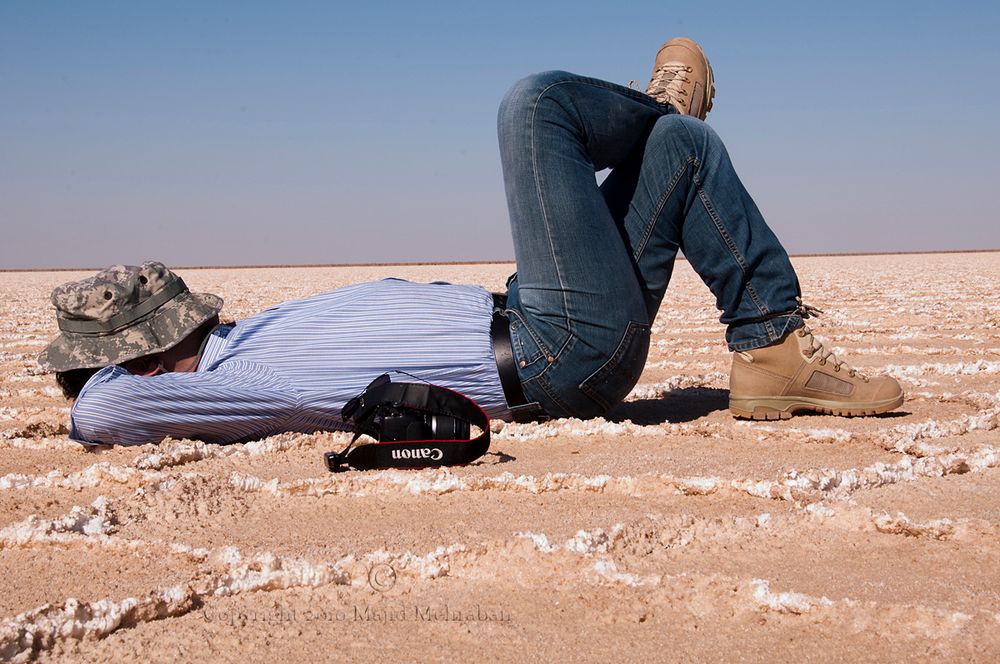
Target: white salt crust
x=229, y=571
x=599, y=427
x=588, y=555
x=147, y=466
x=43, y=443
x=848, y=516
x=22, y=341
x=904, y=438
x=905, y=349
x=675, y=349
x=31, y=632
x=943, y=369
x=793, y=486
x=177, y=452
x=786, y=602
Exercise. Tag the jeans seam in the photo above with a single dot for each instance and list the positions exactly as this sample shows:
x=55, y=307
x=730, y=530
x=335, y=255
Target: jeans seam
x=643, y=97
x=528, y=358
x=541, y=203
x=754, y=343
x=706, y=202
x=541, y=382
x=720, y=228
x=768, y=327
x=542, y=348
x=668, y=192
x=612, y=363
x=564, y=348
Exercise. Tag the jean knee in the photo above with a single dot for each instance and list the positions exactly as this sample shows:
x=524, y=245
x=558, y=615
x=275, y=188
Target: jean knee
x=524, y=95
x=687, y=134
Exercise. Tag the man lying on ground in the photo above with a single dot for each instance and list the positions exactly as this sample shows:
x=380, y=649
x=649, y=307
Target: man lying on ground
x=568, y=339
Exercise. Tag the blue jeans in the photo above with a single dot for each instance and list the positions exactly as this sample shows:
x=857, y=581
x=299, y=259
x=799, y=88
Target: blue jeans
x=593, y=262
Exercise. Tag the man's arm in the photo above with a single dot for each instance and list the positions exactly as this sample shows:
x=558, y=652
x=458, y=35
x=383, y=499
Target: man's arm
x=238, y=401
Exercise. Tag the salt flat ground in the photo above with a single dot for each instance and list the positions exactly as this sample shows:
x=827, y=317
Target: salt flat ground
x=668, y=531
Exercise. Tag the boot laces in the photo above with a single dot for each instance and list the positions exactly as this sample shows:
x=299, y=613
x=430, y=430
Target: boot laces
x=816, y=346
x=668, y=83
x=806, y=310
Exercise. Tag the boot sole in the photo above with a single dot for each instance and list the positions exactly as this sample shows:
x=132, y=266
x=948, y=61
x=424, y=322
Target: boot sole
x=709, y=97
x=782, y=408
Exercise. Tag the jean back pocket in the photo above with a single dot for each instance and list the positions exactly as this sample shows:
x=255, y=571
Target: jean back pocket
x=615, y=378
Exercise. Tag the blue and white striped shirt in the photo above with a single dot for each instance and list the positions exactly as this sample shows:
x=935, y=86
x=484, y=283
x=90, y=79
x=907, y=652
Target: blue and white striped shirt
x=294, y=366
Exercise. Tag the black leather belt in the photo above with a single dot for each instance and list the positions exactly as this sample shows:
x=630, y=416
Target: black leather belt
x=521, y=410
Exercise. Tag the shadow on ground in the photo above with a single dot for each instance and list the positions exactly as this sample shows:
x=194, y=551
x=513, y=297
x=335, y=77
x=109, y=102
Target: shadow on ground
x=692, y=403
x=681, y=405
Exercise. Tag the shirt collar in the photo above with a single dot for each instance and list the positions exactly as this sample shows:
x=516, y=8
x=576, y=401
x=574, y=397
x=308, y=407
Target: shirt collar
x=215, y=342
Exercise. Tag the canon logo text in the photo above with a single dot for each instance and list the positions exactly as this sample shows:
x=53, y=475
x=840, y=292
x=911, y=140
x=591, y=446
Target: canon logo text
x=432, y=453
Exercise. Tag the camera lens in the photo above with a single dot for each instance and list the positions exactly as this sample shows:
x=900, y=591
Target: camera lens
x=444, y=427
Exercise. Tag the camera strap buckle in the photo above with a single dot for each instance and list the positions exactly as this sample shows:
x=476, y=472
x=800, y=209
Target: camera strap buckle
x=368, y=412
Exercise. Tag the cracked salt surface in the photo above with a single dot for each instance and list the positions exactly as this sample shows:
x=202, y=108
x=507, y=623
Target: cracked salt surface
x=237, y=573
x=789, y=487
x=944, y=369
x=877, y=311
x=786, y=602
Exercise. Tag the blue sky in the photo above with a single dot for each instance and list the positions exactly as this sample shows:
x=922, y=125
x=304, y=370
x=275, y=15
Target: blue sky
x=248, y=133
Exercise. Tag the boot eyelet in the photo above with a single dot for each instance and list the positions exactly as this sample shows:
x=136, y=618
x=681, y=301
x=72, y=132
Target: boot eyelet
x=836, y=368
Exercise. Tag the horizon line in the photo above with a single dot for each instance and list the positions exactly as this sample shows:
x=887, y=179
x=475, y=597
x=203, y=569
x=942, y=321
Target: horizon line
x=483, y=262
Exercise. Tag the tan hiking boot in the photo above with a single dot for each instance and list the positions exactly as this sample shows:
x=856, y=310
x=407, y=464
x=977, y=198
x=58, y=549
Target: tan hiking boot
x=683, y=78
x=798, y=374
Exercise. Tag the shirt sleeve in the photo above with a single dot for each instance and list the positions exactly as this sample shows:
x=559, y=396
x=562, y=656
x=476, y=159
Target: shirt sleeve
x=238, y=401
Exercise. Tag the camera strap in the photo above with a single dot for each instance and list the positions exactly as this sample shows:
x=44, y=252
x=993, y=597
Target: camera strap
x=364, y=411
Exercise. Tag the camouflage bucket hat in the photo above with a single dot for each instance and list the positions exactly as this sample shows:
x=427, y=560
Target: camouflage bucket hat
x=122, y=313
